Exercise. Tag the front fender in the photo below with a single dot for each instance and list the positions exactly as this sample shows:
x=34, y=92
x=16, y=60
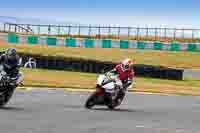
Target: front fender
x=100, y=79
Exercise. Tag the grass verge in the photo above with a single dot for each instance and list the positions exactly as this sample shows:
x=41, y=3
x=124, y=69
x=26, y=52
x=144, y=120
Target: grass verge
x=150, y=57
x=65, y=79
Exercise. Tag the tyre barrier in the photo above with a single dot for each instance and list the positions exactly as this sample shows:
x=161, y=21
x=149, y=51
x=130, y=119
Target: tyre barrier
x=158, y=72
x=94, y=66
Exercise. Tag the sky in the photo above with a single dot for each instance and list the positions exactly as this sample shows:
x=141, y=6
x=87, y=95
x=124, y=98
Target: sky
x=143, y=13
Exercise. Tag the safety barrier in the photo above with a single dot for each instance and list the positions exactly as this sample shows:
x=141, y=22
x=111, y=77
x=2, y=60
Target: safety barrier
x=94, y=66
x=102, y=43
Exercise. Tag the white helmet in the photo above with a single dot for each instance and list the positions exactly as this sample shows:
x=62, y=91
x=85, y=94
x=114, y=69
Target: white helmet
x=127, y=64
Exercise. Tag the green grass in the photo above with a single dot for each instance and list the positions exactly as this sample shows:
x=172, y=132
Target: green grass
x=152, y=57
x=60, y=79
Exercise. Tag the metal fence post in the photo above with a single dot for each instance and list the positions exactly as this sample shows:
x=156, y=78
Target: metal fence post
x=9, y=27
x=4, y=27
x=174, y=34
x=109, y=30
x=156, y=33
x=89, y=30
x=15, y=28
x=59, y=30
x=79, y=30
x=138, y=30
x=119, y=32
x=69, y=30
x=147, y=33
x=129, y=31
x=18, y=29
x=192, y=35
x=183, y=35
x=49, y=29
x=38, y=29
x=165, y=33
x=99, y=32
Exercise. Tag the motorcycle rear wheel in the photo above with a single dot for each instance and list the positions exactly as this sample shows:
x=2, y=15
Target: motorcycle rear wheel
x=116, y=103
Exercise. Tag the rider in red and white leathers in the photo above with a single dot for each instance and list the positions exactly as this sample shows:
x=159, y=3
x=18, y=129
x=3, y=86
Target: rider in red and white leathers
x=125, y=73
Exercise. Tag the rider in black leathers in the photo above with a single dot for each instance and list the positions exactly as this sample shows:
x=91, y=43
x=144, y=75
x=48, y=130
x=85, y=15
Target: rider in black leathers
x=11, y=62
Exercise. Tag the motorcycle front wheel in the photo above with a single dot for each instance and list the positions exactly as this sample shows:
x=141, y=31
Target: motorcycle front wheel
x=5, y=96
x=91, y=101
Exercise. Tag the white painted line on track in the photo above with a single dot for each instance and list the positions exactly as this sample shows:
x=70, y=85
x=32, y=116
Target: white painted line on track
x=86, y=90
x=140, y=126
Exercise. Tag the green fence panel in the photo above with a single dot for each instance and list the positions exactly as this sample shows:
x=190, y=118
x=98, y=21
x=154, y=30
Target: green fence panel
x=32, y=40
x=192, y=47
x=175, y=46
x=89, y=43
x=71, y=42
x=51, y=41
x=158, y=46
x=124, y=44
x=141, y=45
x=13, y=38
x=106, y=43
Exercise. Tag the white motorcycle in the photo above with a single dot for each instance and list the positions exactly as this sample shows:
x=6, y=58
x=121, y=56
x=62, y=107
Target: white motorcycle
x=107, y=92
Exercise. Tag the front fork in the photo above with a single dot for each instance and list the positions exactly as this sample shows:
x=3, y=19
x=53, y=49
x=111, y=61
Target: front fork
x=110, y=98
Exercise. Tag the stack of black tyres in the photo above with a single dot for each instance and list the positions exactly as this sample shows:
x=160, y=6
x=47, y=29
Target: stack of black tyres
x=93, y=66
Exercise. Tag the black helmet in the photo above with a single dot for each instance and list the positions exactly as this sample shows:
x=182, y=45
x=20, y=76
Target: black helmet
x=11, y=53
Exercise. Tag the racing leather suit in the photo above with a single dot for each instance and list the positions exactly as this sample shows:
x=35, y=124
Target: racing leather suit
x=11, y=66
x=126, y=77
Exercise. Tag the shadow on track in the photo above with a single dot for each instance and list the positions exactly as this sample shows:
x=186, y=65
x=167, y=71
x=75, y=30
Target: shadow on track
x=125, y=111
x=73, y=106
x=7, y=108
x=115, y=110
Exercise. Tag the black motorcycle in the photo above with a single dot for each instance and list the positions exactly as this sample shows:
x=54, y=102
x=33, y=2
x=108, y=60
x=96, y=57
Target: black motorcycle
x=7, y=87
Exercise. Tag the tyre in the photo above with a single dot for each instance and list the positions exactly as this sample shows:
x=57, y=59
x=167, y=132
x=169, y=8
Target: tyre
x=116, y=102
x=91, y=101
x=120, y=98
x=5, y=96
x=111, y=107
x=110, y=103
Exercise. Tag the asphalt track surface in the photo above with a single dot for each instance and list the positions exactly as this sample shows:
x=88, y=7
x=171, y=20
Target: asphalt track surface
x=58, y=111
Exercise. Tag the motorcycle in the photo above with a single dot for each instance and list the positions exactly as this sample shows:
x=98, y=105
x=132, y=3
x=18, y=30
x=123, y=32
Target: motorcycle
x=8, y=86
x=107, y=93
